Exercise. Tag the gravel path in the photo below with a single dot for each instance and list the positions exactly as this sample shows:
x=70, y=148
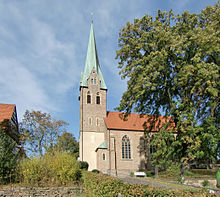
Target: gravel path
x=143, y=181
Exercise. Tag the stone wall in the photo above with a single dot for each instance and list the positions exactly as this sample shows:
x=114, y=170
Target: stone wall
x=17, y=191
x=198, y=182
x=137, y=155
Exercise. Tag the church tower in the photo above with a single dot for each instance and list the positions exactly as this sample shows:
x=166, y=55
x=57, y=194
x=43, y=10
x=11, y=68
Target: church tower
x=93, y=92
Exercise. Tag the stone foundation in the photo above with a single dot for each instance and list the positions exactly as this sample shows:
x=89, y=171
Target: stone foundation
x=9, y=191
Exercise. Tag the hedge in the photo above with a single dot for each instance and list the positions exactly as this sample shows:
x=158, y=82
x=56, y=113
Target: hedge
x=103, y=185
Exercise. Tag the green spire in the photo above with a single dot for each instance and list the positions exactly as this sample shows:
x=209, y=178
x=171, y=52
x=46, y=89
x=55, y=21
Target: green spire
x=92, y=62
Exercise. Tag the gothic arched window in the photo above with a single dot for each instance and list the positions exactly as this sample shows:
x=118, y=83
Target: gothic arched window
x=88, y=98
x=126, y=148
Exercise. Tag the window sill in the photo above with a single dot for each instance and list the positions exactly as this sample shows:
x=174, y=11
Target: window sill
x=126, y=159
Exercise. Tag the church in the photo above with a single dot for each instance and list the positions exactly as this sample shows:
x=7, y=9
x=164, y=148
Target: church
x=107, y=141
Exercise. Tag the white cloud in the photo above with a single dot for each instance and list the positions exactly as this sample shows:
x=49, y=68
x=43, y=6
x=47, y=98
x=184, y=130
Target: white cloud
x=34, y=55
x=19, y=86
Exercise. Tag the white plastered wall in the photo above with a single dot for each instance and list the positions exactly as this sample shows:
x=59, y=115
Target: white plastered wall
x=91, y=140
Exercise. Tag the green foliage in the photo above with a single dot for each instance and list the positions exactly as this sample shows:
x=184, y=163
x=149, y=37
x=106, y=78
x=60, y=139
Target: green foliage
x=180, y=180
x=66, y=143
x=8, y=158
x=103, y=185
x=150, y=174
x=205, y=183
x=83, y=165
x=172, y=66
x=57, y=168
x=218, y=179
x=164, y=151
x=173, y=171
x=95, y=171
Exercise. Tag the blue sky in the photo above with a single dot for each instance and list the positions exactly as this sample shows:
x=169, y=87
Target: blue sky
x=43, y=46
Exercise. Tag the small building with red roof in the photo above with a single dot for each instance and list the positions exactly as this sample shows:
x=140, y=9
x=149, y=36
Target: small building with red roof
x=9, y=120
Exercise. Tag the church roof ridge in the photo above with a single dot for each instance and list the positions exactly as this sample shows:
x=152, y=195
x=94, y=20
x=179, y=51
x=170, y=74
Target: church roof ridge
x=136, y=122
x=92, y=62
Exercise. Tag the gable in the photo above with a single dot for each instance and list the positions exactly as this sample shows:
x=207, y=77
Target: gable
x=6, y=112
x=136, y=122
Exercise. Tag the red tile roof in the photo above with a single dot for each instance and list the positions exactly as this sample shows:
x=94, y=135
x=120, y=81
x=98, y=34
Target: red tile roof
x=135, y=122
x=6, y=111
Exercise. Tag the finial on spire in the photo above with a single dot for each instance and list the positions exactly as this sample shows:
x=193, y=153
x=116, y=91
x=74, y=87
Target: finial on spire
x=92, y=16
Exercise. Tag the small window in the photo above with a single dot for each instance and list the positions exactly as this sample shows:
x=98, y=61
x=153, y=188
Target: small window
x=88, y=99
x=103, y=156
x=97, y=100
x=91, y=81
x=95, y=81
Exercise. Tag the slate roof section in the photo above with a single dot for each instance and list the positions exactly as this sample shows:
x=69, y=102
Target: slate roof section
x=135, y=122
x=6, y=111
x=92, y=62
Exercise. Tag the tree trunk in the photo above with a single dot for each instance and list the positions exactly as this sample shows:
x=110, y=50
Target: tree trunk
x=156, y=171
x=182, y=171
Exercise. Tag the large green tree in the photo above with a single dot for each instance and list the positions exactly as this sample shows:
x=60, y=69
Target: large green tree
x=172, y=66
x=66, y=143
x=40, y=131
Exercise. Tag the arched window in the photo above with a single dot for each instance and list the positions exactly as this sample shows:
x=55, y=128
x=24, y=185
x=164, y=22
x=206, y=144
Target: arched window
x=88, y=98
x=97, y=100
x=126, y=148
x=95, y=81
x=91, y=81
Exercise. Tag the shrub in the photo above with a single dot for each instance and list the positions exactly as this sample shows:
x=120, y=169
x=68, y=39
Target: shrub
x=64, y=167
x=103, y=185
x=57, y=168
x=83, y=165
x=205, y=183
x=96, y=171
x=208, y=172
x=149, y=174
